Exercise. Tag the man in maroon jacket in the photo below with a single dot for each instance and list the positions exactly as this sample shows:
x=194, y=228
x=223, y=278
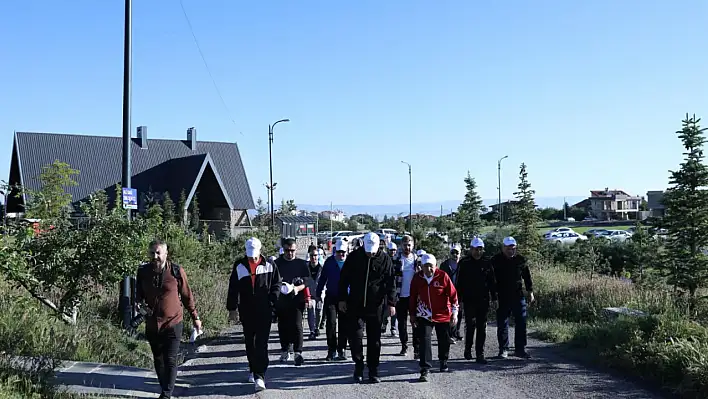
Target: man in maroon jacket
x=433, y=302
x=162, y=289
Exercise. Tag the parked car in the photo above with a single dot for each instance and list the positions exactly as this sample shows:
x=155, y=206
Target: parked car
x=566, y=238
x=558, y=230
x=596, y=232
x=617, y=235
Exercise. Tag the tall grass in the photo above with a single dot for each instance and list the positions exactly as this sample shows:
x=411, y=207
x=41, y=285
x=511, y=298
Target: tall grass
x=666, y=347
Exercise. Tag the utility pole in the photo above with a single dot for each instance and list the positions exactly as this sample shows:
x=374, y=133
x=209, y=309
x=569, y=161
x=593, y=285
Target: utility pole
x=499, y=204
x=126, y=297
x=410, y=198
x=272, y=186
x=565, y=216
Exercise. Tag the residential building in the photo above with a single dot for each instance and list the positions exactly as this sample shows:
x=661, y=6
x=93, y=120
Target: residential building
x=211, y=172
x=654, y=203
x=613, y=204
x=336, y=215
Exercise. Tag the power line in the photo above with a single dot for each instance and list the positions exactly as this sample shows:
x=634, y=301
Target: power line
x=206, y=65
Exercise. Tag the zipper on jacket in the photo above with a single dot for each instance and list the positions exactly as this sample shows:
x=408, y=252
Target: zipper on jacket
x=366, y=283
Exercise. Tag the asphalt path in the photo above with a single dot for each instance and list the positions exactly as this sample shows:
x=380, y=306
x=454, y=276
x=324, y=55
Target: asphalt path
x=219, y=370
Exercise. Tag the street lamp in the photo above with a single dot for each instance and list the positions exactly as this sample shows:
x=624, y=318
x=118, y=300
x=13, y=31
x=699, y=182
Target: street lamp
x=410, y=198
x=499, y=205
x=270, y=154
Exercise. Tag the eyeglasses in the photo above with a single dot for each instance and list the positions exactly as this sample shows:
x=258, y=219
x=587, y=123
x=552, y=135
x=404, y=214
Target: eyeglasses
x=454, y=252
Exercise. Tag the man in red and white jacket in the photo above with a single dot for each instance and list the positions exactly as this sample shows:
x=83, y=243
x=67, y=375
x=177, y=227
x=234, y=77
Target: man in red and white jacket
x=433, y=301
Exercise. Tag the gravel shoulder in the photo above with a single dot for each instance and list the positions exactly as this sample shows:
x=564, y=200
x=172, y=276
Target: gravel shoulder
x=219, y=370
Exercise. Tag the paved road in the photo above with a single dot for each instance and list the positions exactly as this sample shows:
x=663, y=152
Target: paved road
x=219, y=371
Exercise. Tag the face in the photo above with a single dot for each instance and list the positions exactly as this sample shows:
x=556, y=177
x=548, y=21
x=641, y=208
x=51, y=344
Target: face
x=289, y=251
x=313, y=257
x=158, y=254
x=407, y=247
x=477, y=252
x=341, y=255
x=455, y=254
x=382, y=244
x=428, y=269
x=509, y=250
x=392, y=252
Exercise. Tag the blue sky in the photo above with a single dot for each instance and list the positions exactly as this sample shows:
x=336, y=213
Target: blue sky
x=588, y=94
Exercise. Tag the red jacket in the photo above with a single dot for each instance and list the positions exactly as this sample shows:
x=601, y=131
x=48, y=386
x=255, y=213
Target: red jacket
x=435, y=302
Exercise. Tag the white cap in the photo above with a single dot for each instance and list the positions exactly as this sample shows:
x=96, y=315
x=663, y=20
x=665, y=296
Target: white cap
x=428, y=258
x=341, y=245
x=271, y=259
x=456, y=247
x=286, y=288
x=421, y=253
x=253, y=247
x=509, y=241
x=281, y=251
x=371, y=242
x=392, y=245
x=477, y=242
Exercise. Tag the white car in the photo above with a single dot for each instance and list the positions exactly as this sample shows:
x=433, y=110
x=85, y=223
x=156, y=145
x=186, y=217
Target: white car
x=558, y=230
x=566, y=237
x=617, y=235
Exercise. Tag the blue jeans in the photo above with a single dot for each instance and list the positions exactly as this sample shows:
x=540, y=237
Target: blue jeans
x=517, y=308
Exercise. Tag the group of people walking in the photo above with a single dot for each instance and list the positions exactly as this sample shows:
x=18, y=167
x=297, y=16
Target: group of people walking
x=360, y=290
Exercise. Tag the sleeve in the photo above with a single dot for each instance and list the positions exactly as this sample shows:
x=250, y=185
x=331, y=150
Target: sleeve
x=139, y=294
x=526, y=276
x=390, y=281
x=462, y=265
x=308, y=295
x=452, y=295
x=188, y=296
x=275, y=282
x=491, y=282
x=345, y=278
x=323, y=279
x=413, y=299
x=232, y=297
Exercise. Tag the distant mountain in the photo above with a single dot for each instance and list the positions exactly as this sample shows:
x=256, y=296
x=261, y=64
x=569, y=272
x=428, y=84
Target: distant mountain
x=431, y=208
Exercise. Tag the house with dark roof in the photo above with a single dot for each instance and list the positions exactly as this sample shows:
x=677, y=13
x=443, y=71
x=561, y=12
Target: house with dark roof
x=211, y=172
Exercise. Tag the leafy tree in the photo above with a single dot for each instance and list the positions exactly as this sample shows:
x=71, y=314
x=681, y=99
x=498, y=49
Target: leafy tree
x=51, y=201
x=168, y=208
x=468, y=213
x=686, y=204
x=525, y=215
x=287, y=207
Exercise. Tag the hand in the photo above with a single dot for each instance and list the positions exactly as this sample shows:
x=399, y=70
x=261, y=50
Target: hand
x=531, y=298
x=298, y=288
x=197, y=324
x=453, y=319
x=413, y=323
x=343, y=306
x=308, y=304
x=392, y=310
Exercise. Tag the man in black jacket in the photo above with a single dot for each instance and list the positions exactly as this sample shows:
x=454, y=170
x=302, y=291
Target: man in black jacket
x=451, y=267
x=510, y=270
x=476, y=285
x=366, y=284
x=254, y=287
x=290, y=307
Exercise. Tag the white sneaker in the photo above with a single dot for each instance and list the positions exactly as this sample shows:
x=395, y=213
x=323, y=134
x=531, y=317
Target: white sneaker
x=260, y=385
x=285, y=356
x=250, y=378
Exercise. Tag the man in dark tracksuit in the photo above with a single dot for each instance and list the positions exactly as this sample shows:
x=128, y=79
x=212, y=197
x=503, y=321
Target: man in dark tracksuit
x=336, y=342
x=451, y=267
x=368, y=276
x=254, y=288
x=476, y=285
x=510, y=270
x=404, y=266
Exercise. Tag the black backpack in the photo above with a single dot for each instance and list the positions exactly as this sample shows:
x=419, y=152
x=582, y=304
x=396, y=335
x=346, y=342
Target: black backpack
x=175, y=269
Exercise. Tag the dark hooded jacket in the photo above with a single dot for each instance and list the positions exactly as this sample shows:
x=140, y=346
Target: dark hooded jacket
x=370, y=282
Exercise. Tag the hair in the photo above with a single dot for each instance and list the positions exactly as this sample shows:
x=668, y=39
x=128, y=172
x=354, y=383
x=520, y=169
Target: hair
x=311, y=248
x=288, y=242
x=407, y=238
x=157, y=242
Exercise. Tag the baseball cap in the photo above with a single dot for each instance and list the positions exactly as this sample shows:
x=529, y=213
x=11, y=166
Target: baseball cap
x=456, y=247
x=392, y=245
x=428, y=258
x=509, y=241
x=477, y=242
x=341, y=245
x=421, y=252
x=371, y=242
x=253, y=247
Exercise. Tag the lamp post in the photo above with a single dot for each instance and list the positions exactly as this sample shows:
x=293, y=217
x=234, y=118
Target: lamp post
x=126, y=297
x=270, y=154
x=499, y=204
x=410, y=198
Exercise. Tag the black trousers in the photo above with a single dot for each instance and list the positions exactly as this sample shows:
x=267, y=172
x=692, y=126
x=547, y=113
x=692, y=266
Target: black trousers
x=476, y=321
x=335, y=341
x=165, y=349
x=404, y=315
x=425, y=331
x=256, y=333
x=290, y=328
x=456, y=329
x=373, y=341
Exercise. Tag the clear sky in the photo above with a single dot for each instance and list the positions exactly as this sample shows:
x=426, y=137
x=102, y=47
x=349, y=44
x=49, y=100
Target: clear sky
x=588, y=93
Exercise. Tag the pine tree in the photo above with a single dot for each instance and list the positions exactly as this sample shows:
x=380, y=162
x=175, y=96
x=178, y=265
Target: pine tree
x=181, y=207
x=526, y=215
x=686, y=204
x=194, y=213
x=168, y=208
x=468, y=213
x=262, y=211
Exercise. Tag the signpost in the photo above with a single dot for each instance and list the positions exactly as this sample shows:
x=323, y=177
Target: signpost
x=130, y=198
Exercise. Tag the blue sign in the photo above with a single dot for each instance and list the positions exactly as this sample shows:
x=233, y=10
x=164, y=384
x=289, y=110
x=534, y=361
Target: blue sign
x=130, y=198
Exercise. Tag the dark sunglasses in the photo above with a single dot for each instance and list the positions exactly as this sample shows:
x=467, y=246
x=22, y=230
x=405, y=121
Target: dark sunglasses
x=289, y=250
x=341, y=253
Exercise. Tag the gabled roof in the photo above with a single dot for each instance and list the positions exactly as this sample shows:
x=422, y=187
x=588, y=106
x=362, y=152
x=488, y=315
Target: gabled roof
x=165, y=165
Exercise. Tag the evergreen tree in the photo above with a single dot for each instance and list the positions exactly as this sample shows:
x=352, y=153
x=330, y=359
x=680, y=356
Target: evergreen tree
x=526, y=215
x=468, y=213
x=261, y=213
x=181, y=207
x=194, y=213
x=168, y=208
x=686, y=204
